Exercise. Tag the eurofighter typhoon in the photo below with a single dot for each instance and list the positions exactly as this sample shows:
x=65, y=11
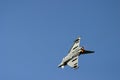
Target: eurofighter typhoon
x=72, y=58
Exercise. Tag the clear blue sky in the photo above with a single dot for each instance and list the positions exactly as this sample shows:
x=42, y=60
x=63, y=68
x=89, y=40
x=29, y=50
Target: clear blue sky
x=36, y=34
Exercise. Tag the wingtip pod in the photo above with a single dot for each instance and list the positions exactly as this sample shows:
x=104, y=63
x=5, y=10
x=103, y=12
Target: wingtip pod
x=75, y=68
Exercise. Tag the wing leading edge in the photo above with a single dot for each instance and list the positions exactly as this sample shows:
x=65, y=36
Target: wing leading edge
x=74, y=46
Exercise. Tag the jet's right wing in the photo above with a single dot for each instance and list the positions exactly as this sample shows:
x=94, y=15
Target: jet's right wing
x=73, y=62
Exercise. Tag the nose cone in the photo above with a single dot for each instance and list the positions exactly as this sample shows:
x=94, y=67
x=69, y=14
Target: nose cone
x=60, y=64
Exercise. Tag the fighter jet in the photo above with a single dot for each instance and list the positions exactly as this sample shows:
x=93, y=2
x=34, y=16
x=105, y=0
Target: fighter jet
x=72, y=58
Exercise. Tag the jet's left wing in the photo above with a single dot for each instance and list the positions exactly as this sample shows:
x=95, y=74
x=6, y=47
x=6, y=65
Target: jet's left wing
x=74, y=46
x=73, y=62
